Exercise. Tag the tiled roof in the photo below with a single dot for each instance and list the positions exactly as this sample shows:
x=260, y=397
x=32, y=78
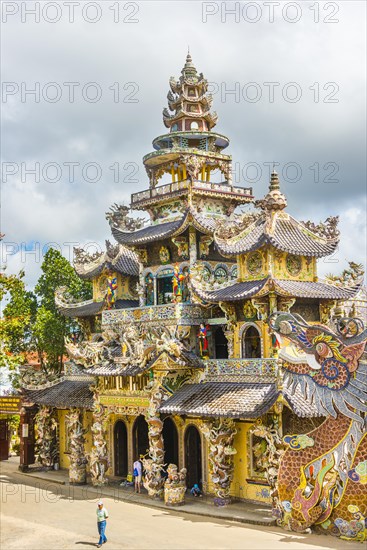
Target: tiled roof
x=90, y=308
x=114, y=369
x=202, y=222
x=152, y=233
x=149, y=234
x=283, y=232
x=125, y=262
x=310, y=289
x=68, y=393
x=187, y=359
x=85, y=309
x=222, y=399
x=297, y=289
x=300, y=406
x=232, y=293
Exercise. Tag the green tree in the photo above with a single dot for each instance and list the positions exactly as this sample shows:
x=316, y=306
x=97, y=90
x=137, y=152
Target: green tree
x=31, y=320
x=50, y=326
x=18, y=317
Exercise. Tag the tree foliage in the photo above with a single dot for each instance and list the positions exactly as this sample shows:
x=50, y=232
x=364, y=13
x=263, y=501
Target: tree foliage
x=31, y=321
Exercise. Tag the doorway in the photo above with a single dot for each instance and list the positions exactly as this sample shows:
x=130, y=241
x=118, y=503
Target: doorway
x=193, y=457
x=140, y=437
x=4, y=439
x=120, y=447
x=170, y=438
x=221, y=344
x=251, y=343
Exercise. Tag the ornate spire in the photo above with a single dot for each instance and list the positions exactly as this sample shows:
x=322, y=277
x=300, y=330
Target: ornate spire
x=274, y=200
x=189, y=102
x=189, y=69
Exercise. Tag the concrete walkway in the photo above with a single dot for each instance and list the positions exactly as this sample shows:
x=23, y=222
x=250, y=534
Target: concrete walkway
x=244, y=512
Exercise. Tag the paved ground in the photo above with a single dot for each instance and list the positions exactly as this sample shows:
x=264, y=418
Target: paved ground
x=38, y=515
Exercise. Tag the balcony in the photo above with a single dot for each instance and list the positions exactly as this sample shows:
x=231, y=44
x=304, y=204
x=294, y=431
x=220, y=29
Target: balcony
x=179, y=314
x=178, y=187
x=236, y=369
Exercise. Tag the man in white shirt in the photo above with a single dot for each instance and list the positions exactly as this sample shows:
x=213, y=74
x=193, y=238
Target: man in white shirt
x=138, y=471
x=102, y=515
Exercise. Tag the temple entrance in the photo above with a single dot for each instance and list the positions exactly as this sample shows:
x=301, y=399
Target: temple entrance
x=120, y=448
x=193, y=457
x=221, y=344
x=251, y=343
x=140, y=437
x=170, y=438
x=4, y=439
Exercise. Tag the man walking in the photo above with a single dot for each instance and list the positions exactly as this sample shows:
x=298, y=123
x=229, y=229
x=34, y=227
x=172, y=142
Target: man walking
x=102, y=515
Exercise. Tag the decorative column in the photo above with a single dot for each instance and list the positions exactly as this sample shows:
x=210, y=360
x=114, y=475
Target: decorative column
x=98, y=457
x=229, y=334
x=231, y=316
x=155, y=289
x=192, y=245
x=153, y=465
x=47, y=441
x=220, y=434
x=78, y=461
x=270, y=458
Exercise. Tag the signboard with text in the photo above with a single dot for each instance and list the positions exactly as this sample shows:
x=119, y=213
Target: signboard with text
x=10, y=404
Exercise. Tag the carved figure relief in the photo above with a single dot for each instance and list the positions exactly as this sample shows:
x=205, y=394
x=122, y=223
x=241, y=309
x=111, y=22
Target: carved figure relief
x=254, y=263
x=164, y=255
x=293, y=264
x=204, y=244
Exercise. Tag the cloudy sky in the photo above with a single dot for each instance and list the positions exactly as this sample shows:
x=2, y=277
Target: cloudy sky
x=100, y=72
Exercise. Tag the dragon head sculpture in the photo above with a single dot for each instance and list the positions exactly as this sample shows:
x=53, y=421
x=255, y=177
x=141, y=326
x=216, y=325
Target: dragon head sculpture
x=325, y=364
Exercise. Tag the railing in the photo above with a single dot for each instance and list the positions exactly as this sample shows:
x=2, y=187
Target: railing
x=175, y=186
x=184, y=314
x=159, y=191
x=216, y=368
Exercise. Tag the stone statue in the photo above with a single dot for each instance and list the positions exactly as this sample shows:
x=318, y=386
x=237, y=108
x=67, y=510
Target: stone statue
x=175, y=486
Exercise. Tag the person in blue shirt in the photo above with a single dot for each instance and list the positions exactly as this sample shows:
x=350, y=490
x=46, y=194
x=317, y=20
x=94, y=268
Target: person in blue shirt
x=195, y=491
x=102, y=516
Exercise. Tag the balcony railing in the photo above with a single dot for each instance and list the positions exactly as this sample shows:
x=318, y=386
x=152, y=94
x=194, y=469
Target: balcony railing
x=176, y=186
x=217, y=368
x=182, y=314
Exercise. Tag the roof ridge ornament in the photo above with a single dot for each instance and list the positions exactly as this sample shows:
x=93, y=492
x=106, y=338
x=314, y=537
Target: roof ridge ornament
x=327, y=229
x=274, y=200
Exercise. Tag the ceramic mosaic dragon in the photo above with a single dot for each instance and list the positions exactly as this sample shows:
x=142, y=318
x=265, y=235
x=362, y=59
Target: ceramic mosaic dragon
x=78, y=461
x=322, y=480
x=98, y=457
x=47, y=443
x=153, y=466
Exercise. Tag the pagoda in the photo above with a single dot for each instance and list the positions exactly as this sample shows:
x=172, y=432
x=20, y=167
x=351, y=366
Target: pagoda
x=178, y=360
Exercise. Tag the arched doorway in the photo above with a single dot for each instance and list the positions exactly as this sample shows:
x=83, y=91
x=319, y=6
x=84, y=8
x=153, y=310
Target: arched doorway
x=120, y=448
x=170, y=438
x=221, y=344
x=193, y=457
x=140, y=437
x=251, y=343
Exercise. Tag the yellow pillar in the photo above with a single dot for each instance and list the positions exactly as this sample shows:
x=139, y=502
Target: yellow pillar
x=203, y=173
x=208, y=173
x=184, y=172
x=173, y=173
